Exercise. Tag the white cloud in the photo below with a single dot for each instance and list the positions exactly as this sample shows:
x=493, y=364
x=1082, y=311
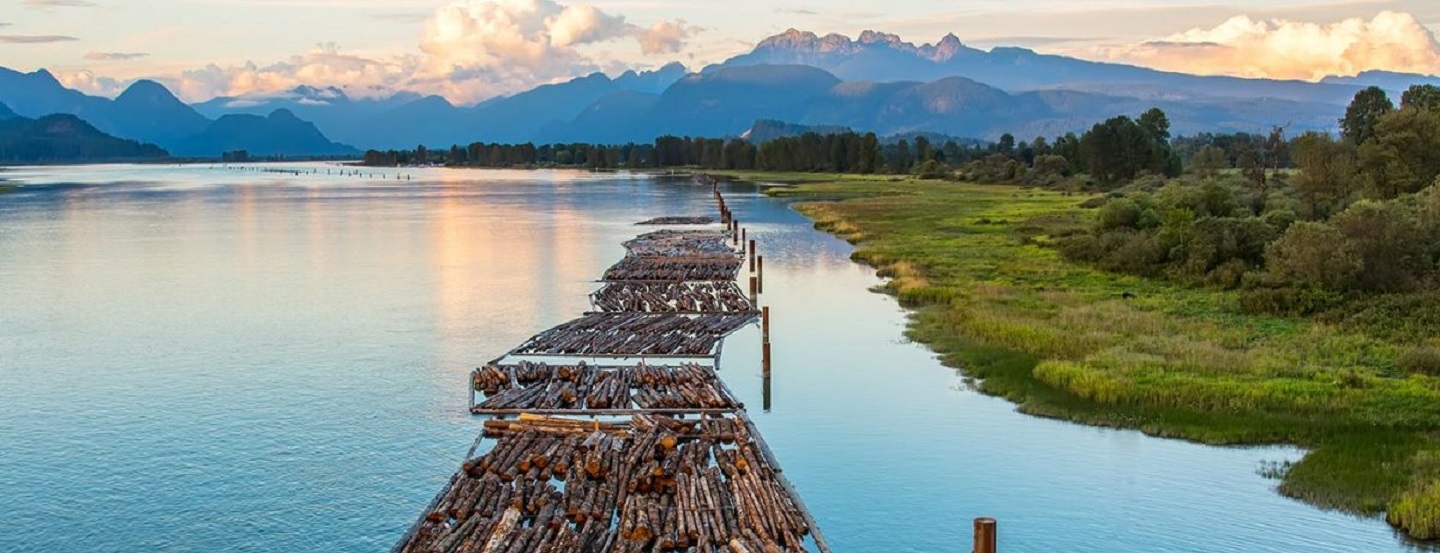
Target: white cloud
x=115, y=56
x=582, y=24
x=1286, y=49
x=666, y=37
x=474, y=49
x=469, y=50
x=35, y=39
x=90, y=82
x=59, y=3
x=324, y=65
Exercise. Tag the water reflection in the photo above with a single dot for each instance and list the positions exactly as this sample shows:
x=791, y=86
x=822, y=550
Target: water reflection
x=254, y=362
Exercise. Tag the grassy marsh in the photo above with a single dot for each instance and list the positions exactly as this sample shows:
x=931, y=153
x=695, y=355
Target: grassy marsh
x=1068, y=341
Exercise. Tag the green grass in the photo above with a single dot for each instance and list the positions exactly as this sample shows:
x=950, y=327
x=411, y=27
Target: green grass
x=1067, y=341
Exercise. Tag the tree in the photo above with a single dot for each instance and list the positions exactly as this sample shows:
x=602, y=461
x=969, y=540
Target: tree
x=923, y=150
x=1327, y=179
x=1156, y=124
x=1006, y=145
x=1421, y=96
x=1118, y=150
x=1209, y=161
x=1386, y=238
x=1313, y=255
x=1403, y=154
x=901, y=162
x=1364, y=113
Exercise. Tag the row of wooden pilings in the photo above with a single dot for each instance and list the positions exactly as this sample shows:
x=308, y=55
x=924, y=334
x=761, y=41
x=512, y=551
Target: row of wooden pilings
x=341, y=172
x=986, y=529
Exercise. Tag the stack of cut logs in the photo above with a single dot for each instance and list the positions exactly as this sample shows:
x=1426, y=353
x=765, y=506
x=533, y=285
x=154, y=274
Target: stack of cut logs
x=581, y=387
x=652, y=484
x=636, y=334
x=682, y=243
x=674, y=269
x=698, y=482
x=672, y=297
x=678, y=221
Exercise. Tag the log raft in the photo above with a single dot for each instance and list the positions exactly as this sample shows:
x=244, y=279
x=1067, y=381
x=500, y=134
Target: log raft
x=671, y=297
x=637, y=335
x=658, y=221
x=675, y=465
x=652, y=483
x=583, y=389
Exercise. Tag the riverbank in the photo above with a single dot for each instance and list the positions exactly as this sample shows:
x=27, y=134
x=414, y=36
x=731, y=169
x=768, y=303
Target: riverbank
x=1066, y=341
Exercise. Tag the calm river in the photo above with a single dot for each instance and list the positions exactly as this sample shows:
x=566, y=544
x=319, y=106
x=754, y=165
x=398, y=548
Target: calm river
x=196, y=359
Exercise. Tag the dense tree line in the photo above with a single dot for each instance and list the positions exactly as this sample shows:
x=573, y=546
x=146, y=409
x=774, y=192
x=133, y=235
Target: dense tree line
x=1353, y=230
x=847, y=152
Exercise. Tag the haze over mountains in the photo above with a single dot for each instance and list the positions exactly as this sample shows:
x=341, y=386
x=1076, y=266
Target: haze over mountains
x=148, y=112
x=876, y=82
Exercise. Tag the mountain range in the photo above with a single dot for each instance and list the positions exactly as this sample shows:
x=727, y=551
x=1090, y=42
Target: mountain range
x=61, y=138
x=148, y=112
x=876, y=82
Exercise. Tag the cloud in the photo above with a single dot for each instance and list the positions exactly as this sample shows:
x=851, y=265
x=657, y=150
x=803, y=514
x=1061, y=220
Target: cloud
x=59, y=3
x=474, y=49
x=468, y=50
x=1021, y=40
x=666, y=37
x=583, y=24
x=1286, y=49
x=91, y=83
x=324, y=65
x=35, y=39
x=114, y=56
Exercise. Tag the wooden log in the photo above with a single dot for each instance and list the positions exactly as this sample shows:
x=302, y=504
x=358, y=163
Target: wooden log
x=985, y=535
x=502, y=530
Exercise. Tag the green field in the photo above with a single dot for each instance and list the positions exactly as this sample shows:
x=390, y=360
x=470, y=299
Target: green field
x=1067, y=341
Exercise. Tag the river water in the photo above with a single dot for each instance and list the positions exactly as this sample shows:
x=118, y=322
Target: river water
x=204, y=359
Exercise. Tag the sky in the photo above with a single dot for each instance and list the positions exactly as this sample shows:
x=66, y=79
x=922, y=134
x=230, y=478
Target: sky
x=470, y=50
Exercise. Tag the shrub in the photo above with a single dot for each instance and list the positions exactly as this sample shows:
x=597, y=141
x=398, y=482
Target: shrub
x=1288, y=301
x=1313, y=255
x=1421, y=360
x=1405, y=317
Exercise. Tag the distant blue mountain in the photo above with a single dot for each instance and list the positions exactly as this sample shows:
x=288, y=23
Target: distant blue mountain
x=728, y=101
x=885, y=57
x=279, y=134
x=1393, y=83
x=63, y=138
x=407, y=119
x=147, y=112
x=876, y=82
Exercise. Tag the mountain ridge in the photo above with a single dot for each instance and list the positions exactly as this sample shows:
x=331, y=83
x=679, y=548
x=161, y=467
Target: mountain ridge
x=147, y=112
x=60, y=138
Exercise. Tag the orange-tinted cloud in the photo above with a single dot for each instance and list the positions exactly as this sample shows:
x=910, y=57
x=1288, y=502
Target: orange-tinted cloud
x=1285, y=49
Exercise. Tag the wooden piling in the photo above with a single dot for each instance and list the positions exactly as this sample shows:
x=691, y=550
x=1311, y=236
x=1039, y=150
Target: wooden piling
x=985, y=535
x=760, y=272
x=751, y=251
x=765, y=358
x=765, y=324
x=754, y=289
x=766, y=393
